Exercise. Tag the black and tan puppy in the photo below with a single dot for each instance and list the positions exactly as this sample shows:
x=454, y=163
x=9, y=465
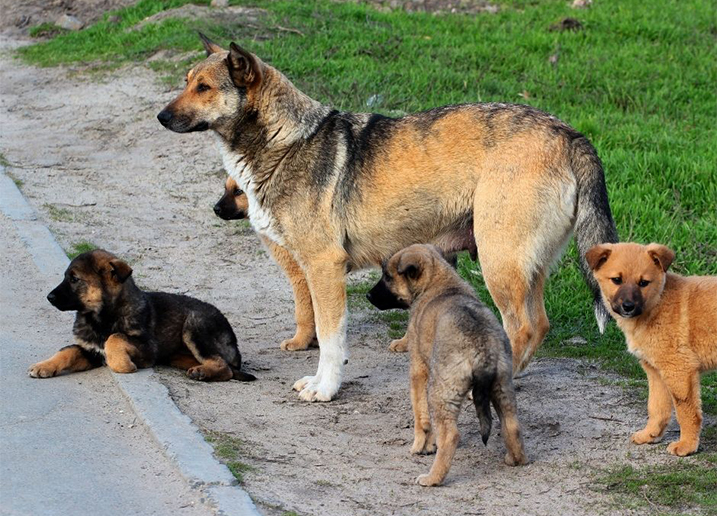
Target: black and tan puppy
x=126, y=328
x=457, y=346
x=233, y=204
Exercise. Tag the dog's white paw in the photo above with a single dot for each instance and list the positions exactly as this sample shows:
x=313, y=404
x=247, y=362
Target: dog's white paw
x=318, y=390
x=299, y=385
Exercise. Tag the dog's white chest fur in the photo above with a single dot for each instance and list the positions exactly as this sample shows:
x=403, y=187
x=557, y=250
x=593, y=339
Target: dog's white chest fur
x=260, y=218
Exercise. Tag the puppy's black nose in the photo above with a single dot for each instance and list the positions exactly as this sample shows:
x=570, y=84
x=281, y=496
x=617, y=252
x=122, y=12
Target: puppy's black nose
x=369, y=297
x=164, y=117
x=51, y=297
x=628, y=307
x=217, y=209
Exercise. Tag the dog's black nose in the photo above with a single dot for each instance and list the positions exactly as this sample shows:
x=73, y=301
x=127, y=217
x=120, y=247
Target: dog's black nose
x=164, y=117
x=51, y=297
x=369, y=297
x=628, y=307
x=217, y=209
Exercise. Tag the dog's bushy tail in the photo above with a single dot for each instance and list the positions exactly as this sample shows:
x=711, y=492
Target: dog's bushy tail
x=481, y=399
x=594, y=224
x=241, y=375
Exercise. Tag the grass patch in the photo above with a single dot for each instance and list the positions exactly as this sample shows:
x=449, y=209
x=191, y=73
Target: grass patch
x=46, y=30
x=59, y=214
x=637, y=80
x=80, y=247
x=686, y=484
x=228, y=449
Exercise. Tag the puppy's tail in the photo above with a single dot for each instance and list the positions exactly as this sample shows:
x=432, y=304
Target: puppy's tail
x=594, y=224
x=241, y=375
x=481, y=400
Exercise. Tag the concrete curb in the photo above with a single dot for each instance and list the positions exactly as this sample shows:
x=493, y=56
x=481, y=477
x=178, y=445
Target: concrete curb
x=175, y=433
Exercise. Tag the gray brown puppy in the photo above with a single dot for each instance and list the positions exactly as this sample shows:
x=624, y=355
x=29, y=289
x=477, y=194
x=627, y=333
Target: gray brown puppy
x=126, y=328
x=457, y=346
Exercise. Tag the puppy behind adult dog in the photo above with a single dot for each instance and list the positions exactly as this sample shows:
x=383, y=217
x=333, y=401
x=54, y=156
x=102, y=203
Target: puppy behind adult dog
x=126, y=328
x=342, y=191
x=234, y=205
x=457, y=346
x=670, y=324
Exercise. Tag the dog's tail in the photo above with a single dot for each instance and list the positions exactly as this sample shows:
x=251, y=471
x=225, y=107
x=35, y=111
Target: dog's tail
x=594, y=224
x=241, y=375
x=481, y=399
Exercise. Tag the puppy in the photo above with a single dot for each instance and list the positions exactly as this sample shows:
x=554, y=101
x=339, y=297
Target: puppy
x=120, y=325
x=233, y=204
x=670, y=324
x=456, y=346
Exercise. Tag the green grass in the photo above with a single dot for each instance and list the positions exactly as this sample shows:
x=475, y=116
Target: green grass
x=80, y=247
x=45, y=30
x=58, y=214
x=686, y=484
x=638, y=80
x=228, y=449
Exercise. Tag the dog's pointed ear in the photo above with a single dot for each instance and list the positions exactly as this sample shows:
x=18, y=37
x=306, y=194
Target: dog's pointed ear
x=120, y=270
x=209, y=45
x=662, y=255
x=410, y=265
x=597, y=256
x=244, y=67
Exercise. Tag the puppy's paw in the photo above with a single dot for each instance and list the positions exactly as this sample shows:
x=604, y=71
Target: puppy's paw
x=122, y=366
x=45, y=369
x=644, y=437
x=399, y=345
x=683, y=448
x=427, y=481
x=298, y=344
x=197, y=373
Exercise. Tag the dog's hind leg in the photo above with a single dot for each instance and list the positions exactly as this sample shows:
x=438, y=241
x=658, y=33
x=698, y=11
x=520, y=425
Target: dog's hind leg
x=503, y=398
x=303, y=310
x=326, y=274
x=659, y=408
x=183, y=361
x=199, y=339
x=445, y=404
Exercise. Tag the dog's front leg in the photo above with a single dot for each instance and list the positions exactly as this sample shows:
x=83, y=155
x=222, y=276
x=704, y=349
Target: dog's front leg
x=326, y=274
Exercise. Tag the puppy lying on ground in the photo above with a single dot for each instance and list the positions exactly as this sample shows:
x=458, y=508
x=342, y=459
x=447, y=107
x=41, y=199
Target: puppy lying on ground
x=457, y=345
x=670, y=324
x=126, y=328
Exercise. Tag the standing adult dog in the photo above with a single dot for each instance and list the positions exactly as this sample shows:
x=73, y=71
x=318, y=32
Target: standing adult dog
x=344, y=190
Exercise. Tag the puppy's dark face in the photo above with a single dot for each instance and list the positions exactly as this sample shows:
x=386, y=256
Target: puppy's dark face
x=92, y=281
x=234, y=204
x=405, y=276
x=631, y=276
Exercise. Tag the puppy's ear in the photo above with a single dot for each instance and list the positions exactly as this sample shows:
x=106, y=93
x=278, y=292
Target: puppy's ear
x=209, y=45
x=120, y=270
x=410, y=265
x=597, y=256
x=662, y=256
x=244, y=67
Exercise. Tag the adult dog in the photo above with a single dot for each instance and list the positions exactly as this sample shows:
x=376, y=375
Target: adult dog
x=344, y=190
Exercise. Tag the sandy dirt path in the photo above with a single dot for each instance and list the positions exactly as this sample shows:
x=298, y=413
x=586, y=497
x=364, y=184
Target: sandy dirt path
x=97, y=165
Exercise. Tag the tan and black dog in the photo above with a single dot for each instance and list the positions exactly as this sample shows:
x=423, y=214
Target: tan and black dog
x=457, y=346
x=670, y=325
x=234, y=205
x=341, y=191
x=126, y=328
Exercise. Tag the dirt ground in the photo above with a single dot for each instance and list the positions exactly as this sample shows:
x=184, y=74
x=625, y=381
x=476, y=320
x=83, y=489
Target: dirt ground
x=96, y=164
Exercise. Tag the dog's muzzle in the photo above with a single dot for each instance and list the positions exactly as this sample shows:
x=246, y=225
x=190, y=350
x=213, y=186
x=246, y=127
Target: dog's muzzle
x=382, y=298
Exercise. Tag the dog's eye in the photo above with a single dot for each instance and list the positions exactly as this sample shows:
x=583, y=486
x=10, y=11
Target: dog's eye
x=616, y=281
x=74, y=279
x=203, y=87
x=643, y=283
x=237, y=192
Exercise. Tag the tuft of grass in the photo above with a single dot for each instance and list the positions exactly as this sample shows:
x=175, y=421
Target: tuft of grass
x=46, y=30
x=228, y=449
x=58, y=214
x=685, y=485
x=80, y=247
x=4, y=161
